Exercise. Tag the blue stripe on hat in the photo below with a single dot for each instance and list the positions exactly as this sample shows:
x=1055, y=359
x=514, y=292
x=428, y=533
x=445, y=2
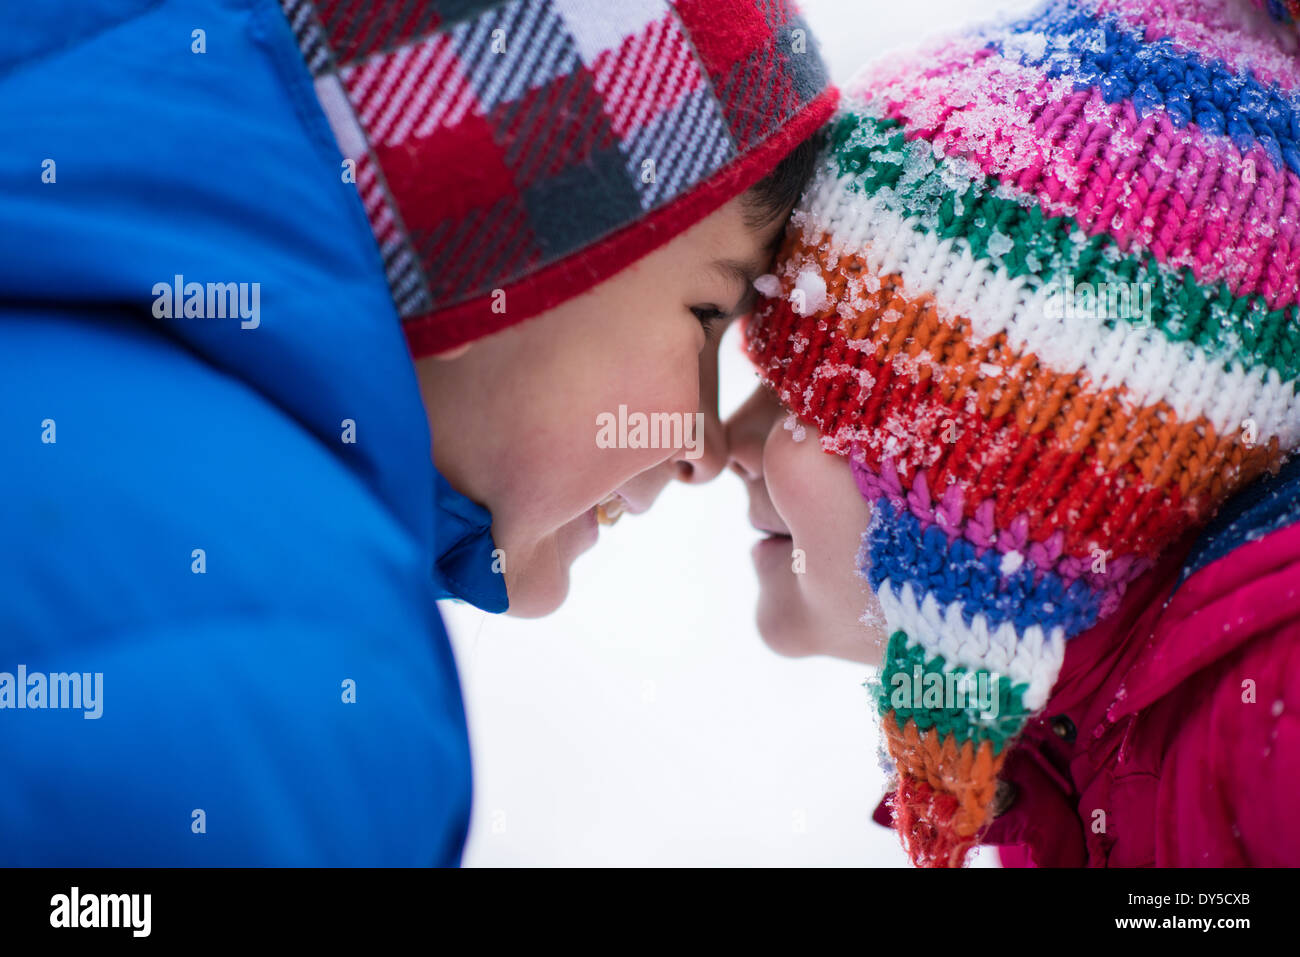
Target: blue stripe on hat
x=902, y=552
x=1117, y=60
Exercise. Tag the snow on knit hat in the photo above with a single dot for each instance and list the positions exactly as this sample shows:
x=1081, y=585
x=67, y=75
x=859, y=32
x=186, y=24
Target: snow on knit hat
x=534, y=148
x=1042, y=293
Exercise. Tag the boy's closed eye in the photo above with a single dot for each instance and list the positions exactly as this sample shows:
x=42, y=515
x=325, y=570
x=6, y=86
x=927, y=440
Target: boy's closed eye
x=713, y=317
x=710, y=317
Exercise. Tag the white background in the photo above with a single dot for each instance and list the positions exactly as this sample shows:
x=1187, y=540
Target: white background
x=645, y=722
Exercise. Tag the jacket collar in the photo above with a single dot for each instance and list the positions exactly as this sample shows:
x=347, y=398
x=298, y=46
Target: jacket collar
x=1096, y=659
x=466, y=563
x=1245, y=588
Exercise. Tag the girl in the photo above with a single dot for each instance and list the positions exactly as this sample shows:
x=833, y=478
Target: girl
x=1039, y=306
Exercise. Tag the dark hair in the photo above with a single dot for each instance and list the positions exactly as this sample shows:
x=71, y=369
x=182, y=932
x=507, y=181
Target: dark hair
x=773, y=196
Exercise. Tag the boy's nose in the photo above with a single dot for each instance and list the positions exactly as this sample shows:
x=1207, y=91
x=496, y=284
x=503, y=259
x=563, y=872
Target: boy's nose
x=713, y=452
x=712, y=459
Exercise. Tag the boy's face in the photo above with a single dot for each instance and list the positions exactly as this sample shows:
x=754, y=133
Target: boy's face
x=517, y=417
x=812, y=601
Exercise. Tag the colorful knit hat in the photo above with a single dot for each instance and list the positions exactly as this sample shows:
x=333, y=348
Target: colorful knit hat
x=537, y=147
x=1286, y=11
x=1028, y=449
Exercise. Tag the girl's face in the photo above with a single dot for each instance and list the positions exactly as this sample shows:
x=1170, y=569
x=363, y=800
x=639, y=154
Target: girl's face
x=539, y=422
x=812, y=600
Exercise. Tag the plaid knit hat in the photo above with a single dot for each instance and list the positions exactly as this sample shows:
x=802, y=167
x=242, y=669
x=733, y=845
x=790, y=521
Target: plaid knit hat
x=1043, y=295
x=537, y=147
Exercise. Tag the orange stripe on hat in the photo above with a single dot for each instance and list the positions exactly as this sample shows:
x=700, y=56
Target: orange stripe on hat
x=1017, y=426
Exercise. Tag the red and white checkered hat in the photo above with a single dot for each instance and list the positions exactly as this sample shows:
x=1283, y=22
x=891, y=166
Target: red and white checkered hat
x=540, y=146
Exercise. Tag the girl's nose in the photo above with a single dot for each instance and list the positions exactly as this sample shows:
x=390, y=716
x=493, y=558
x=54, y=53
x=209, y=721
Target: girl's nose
x=746, y=433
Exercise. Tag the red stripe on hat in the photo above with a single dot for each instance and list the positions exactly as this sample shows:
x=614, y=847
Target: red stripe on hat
x=648, y=73
x=552, y=285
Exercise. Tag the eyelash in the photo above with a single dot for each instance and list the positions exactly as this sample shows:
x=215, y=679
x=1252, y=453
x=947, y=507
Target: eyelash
x=708, y=316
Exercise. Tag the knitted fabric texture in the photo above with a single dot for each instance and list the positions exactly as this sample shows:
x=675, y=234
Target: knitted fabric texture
x=511, y=155
x=1286, y=11
x=1043, y=295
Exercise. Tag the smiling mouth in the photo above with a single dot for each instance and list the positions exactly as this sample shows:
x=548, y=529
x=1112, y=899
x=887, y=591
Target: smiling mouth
x=611, y=509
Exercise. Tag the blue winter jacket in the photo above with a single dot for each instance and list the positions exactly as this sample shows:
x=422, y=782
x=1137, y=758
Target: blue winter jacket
x=233, y=519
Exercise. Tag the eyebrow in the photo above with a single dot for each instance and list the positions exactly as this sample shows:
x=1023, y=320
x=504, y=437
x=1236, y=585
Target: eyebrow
x=745, y=273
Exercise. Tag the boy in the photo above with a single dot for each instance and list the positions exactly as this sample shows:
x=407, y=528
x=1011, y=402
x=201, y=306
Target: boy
x=239, y=227
x=1068, y=533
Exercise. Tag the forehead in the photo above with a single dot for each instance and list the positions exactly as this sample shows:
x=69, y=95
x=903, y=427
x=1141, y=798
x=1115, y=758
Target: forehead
x=728, y=234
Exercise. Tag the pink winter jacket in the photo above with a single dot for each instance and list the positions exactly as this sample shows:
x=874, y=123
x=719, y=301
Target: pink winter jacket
x=1172, y=736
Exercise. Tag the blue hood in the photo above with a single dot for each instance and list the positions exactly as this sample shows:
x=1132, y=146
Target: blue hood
x=235, y=519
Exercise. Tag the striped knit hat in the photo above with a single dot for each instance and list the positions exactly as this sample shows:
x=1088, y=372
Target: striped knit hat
x=1287, y=11
x=1043, y=294
x=537, y=147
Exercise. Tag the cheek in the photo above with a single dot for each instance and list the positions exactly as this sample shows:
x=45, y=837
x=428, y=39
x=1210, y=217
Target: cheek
x=815, y=495
x=794, y=472
x=575, y=436
x=647, y=372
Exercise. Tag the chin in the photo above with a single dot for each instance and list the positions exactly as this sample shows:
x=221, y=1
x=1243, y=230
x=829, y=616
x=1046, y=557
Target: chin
x=538, y=583
x=781, y=616
x=780, y=628
x=537, y=571
x=535, y=596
